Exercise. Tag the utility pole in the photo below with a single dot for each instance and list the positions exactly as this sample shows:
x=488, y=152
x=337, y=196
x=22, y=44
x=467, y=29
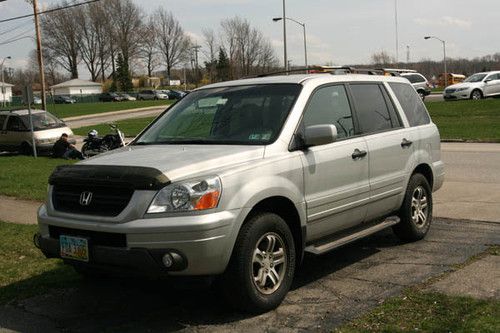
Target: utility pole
x=407, y=54
x=196, y=49
x=284, y=37
x=39, y=53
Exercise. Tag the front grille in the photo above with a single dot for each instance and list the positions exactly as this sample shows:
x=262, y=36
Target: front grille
x=105, y=201
x=450, y=91
x=96, y=238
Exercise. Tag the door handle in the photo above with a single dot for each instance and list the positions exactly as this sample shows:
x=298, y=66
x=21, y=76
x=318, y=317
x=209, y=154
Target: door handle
x=406, y=143
x=358, y=154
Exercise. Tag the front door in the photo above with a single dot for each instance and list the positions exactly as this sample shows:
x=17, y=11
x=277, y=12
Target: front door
x=16, y=132
x=335, y=175
x=492, y=87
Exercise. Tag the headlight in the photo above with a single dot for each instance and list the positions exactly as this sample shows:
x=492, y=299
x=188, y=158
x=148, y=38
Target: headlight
x=462, y=89
x=194, y=195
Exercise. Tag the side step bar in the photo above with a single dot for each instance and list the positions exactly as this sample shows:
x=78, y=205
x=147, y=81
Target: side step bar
x=342, y=240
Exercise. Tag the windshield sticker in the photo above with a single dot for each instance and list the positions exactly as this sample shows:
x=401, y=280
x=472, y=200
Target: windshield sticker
x=254, y=137
x=222, y=101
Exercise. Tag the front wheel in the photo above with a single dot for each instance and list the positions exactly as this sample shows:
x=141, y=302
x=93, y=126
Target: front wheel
x=476, y=95
x=262, y=266
x=416, y=211
x=422, y=95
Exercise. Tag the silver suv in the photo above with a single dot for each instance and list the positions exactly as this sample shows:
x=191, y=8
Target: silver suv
x=239, y=179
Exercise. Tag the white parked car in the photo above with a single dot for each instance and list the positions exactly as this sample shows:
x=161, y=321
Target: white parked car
x=477, y=86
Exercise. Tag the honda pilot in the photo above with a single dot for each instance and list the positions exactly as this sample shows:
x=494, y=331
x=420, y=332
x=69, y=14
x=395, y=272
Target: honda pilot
x=239, y=180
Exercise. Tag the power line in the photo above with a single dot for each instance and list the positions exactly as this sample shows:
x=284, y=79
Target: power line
x=15, y=40
x=16, y=36
x=49, y=11
x=12, y=29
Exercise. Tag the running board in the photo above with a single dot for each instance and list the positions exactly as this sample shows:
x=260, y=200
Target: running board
x=338, y=241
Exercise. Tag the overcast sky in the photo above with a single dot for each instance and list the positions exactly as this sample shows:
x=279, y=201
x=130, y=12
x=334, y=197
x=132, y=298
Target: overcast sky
x=339, y=31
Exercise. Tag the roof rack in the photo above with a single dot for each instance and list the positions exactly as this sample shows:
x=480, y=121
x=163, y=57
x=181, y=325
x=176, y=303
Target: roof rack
x=333, y=70
x=295, y=70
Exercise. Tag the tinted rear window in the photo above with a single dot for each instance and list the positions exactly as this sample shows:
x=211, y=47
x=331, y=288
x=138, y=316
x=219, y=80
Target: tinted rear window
x=412, y=104
x=371, y=108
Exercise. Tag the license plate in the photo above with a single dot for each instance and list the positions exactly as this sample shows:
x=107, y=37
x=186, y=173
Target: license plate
x=74, y=248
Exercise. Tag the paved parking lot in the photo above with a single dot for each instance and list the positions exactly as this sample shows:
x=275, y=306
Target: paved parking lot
x=327, y=291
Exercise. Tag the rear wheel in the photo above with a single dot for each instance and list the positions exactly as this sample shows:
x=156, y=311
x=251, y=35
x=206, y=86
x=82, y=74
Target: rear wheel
x=262, y=266
x=416, y=210
x=476, y=95
x=422, y=95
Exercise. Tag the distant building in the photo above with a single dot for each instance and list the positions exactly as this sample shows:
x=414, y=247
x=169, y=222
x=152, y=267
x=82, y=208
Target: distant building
x=5, y=92
x=77, y=87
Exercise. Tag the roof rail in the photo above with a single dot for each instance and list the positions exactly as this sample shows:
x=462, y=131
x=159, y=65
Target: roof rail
x=295, y=70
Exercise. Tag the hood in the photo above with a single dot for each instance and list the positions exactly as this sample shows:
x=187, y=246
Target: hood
x=180, y=161
x=464, y=85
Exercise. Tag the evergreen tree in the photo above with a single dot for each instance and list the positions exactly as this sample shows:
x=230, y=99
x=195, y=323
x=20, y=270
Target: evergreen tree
x=223, y=66
x=123, y=74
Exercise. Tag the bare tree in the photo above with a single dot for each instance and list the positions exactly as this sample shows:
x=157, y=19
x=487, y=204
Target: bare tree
x=211, y=47
x=149, y=46
x=125, y=23
x=61, y=37
x=382, y=58
x=89, y=41
x=248, y=50
x=173, y=42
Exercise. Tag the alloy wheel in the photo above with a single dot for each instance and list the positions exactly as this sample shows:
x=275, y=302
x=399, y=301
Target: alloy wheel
x=419, y=207
x=269, y=263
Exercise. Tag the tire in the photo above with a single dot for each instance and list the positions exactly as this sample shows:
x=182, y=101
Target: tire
x=26, y=149
x=85, y=149
x=422, y=95
x=255, y=280
x=416, y=211
x=476, y=95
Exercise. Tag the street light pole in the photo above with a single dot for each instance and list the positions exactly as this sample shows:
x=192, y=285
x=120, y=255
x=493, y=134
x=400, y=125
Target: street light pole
x=444, y=59
x=303, y=25
x=284, y=37
x=3, y=80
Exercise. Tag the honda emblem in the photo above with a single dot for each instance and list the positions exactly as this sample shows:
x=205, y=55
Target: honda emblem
x=85, y=198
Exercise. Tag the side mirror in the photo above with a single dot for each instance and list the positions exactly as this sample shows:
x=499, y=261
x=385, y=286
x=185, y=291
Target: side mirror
x=319, y=135
x=488, y=80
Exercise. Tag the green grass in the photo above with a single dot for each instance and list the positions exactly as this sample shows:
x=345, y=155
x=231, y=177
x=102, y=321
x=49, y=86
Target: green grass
x=131, y=127
x=467, y=120
x=25, y=177
x=429, y=312
x=24, y=271
x=80, y=109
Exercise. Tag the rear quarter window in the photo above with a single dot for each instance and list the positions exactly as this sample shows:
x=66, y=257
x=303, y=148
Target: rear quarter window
x=412, y=105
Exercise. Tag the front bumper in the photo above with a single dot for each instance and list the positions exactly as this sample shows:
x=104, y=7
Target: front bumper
x=455, y=96
x=204, y=242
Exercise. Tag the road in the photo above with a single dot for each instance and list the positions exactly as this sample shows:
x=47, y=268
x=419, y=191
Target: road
x=112, y=117
x=472, y=183
x=434, y=98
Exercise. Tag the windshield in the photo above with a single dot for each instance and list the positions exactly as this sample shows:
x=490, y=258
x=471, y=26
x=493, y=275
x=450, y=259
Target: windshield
x=476, y=78
x=42, y=121
x=246, y=115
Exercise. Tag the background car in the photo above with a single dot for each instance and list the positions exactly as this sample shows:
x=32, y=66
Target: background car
x=15, y=135
x=174, y=94
x=60, y=99
x=476, y=86
x=110, y=97
x=127, y=97
x=419, y=82
x=151, y=95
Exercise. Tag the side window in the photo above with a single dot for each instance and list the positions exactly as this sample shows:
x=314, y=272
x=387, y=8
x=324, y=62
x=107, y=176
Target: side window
x=15, y=124
x=330, y=105
x=420, y=78
x=413, y=106
x=410, y=78
x=2, y=121
x=371, y=108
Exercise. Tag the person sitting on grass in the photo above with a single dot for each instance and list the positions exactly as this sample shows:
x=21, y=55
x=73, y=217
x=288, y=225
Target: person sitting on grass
x=63, y=149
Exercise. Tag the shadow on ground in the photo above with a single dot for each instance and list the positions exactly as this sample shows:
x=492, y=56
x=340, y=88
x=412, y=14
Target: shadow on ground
x=327, y=291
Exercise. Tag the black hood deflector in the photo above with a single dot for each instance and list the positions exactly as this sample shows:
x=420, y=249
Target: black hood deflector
x=129, y=177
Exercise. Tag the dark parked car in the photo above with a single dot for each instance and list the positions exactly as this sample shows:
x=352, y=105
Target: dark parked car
x=64, y=100
x=110, y=97
x=174, y=94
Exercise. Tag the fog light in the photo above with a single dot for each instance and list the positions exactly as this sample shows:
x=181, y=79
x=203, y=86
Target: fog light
x=168, y=260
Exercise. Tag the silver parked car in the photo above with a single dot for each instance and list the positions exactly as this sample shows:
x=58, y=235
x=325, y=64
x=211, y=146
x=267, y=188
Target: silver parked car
x=419, y=82
x=15, y=134
x=151, y=95
x=240, y=179
x=477, y=86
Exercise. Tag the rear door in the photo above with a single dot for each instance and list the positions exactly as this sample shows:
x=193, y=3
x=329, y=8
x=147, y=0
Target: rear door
x=390, y=146
x=16, y=132
x=3, y=133
x=336, y=183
